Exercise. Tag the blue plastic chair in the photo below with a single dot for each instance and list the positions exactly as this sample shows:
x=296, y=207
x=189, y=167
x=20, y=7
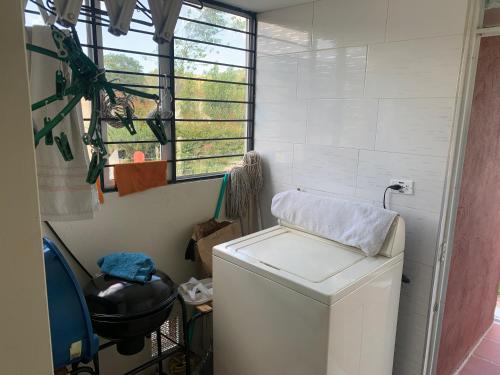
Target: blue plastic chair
x=70, y=322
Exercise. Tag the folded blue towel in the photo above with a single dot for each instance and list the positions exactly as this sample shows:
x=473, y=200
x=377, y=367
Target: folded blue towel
x=129, y=266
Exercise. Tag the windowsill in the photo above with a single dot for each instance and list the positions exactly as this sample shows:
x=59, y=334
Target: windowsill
x=180, y=180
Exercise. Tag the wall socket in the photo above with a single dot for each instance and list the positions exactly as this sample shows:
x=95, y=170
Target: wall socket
x=407, y=186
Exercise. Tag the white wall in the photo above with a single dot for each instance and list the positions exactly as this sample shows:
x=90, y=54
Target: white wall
x=24, y=323
x=158, y=222
x=351, y=93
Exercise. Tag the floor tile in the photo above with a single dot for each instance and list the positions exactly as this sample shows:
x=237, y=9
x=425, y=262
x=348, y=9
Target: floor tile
x=489, y=350
x=494, y=333
x=478, y=366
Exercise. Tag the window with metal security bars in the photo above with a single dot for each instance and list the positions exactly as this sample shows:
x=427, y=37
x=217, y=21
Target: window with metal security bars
x=210, y=70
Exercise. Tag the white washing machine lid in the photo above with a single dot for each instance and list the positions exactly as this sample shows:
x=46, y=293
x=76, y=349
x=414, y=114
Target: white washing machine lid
x=306, y=257
x=322, y=269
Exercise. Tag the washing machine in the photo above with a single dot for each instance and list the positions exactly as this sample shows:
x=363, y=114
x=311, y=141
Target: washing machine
x=289, y=302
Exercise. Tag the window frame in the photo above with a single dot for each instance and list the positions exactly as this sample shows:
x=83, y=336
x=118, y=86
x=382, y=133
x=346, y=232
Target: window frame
x=166, y=63
x=251, y=49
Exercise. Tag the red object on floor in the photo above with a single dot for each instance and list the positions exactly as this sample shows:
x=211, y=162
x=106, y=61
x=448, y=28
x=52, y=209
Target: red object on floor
x=486, y=358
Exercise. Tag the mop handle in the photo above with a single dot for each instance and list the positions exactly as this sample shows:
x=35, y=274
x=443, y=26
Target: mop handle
x=221, y=196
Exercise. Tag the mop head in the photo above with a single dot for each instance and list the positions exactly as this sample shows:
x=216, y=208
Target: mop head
x=245, y=183
x=252, y=163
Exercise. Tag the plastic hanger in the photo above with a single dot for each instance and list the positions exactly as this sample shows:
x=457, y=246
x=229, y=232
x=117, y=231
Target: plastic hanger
x=88, y=81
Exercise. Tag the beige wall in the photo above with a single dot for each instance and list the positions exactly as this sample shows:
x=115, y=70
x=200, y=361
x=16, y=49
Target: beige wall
x=158, y=222
x=24, y=326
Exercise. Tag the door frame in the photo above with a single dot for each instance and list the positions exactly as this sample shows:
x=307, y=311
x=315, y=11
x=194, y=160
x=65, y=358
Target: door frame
x=474, y=33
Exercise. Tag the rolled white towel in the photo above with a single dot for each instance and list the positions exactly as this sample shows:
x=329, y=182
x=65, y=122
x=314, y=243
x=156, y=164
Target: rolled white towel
x=359, y=225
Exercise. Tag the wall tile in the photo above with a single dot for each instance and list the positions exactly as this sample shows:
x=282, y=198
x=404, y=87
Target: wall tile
x=342, y=123
x=415, y=126
x=354, y=146
x=277, y=160
x=284, y=122
x=409, y=19
x=406, y=366
x=343, y=23
x=410, y=338
x=417, y=68
x=421, y=234
x=325, y=168
x=271, y=188
x=415, y=296
x=285, y=30
x=376, y=169
x=412, y=318
x=276, y=78
x=348, y=197
x=337, y=73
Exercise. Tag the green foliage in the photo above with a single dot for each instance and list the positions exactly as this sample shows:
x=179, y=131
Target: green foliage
x=197, y=31
x=119, y=61
x=191, y=89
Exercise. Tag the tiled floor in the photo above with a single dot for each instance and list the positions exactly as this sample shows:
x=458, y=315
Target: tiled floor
x=486, y=358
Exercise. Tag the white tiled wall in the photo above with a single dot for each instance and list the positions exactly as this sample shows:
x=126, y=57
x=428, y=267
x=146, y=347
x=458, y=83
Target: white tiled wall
x=285, y=30
x=352, y=93
x=417, y=68
x=348, y=23
x=342, y=122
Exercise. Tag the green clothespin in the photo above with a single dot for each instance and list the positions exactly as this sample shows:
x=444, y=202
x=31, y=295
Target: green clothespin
x=88, y=138
x=128, y=121
x=98, y=145
x=63, y=146
x=57, y=119
x=111, y=94
x=49, y=138
x=60, y=84
x=87, y=81
x=97, y=164
x=156, y=126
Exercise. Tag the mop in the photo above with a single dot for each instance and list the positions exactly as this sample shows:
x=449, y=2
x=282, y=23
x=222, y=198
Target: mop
x=241, y=186
x=243, y=190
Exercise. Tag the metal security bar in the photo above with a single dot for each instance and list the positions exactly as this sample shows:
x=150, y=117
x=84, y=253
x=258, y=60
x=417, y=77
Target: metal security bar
x=96, y=19
x=212, y=44
x=221, y=26
x=248, y=84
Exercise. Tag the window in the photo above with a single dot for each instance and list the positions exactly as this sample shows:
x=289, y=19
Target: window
x=210, y=70
x=214, y=76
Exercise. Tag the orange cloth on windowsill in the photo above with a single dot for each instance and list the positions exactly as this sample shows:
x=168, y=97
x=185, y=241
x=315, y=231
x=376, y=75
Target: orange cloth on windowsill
x=136, y=177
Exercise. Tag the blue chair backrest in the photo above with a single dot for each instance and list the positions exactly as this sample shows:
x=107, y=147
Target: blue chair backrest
x=70, y=324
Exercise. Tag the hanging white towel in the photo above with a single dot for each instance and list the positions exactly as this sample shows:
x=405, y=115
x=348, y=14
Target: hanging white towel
x=354, y=224
x=64, y=194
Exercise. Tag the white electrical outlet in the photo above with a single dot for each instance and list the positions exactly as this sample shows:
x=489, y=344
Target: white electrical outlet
x=407, y=186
